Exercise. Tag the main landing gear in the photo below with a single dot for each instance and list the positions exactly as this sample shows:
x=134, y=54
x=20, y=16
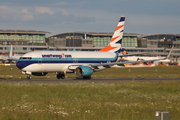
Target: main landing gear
x=60, y=76
x=87, y=77
x=29, y=77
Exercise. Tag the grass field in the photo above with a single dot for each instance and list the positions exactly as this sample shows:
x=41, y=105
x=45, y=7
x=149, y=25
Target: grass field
x=85, y=101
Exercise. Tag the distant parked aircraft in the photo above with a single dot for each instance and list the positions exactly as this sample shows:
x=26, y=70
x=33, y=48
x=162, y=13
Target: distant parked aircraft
x=11, y=57
x=139, y=58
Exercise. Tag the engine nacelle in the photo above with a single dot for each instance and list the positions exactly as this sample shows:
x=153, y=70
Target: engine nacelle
x=39, y=73
x=83, y=71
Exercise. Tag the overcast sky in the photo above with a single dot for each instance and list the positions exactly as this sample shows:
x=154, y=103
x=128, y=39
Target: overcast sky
x=56, y=16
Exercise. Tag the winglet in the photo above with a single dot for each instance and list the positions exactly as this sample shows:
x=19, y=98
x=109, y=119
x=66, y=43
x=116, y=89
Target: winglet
x=32, y=49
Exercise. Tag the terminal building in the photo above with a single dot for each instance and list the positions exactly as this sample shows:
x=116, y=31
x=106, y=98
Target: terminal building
x=24, y=40
x=88, y=41
x=160, y=41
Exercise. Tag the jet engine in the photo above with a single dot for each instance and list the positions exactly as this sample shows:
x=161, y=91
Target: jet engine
x=39, y=73
x=83, y=71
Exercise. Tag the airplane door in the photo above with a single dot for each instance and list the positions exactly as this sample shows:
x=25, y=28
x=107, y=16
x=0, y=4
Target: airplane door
x=39, y=60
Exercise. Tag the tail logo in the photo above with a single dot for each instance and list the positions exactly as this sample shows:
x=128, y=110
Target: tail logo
x=115, y=44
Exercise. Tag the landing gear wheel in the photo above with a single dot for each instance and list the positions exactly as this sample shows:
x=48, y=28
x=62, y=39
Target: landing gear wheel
x=87, y=77
x=60, y=76
x=29, y=77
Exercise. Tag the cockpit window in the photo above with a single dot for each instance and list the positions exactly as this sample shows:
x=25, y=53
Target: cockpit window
x=28, y=58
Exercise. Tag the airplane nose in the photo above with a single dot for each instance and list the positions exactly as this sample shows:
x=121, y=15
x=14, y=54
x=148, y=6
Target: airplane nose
x=20, y=65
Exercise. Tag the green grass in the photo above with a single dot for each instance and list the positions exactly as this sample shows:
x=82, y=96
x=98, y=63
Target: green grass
x=84, y=101
x=11, y=72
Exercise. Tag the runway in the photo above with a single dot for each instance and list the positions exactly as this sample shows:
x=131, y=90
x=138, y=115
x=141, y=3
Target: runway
x=79, y=80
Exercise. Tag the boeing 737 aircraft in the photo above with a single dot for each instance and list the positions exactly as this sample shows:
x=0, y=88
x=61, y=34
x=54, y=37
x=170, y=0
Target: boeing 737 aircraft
x=81, y=63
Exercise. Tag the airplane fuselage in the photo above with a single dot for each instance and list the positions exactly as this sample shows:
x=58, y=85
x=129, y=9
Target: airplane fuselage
x=60, y=61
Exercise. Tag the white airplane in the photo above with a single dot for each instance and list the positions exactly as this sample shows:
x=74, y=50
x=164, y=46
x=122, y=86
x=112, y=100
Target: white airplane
x=10, y=57
x=134, y=58
x=79, y=62
x=138, y=58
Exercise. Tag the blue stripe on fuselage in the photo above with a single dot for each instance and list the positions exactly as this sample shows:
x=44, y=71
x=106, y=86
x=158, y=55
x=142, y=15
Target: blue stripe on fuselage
x=22, y=63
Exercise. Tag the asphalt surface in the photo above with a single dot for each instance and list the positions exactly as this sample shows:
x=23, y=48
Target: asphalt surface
x=79, y=80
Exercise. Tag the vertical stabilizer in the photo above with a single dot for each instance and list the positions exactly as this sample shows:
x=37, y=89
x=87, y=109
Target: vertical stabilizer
x=115, y=44
x=10, y=52
x=169, y=54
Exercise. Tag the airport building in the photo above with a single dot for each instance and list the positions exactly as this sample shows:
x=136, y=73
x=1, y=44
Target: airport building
x=23, y=41
x=89, y=39
x=160, y=41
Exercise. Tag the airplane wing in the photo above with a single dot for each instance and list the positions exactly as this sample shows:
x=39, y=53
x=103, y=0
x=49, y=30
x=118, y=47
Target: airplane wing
x=108, y=65
x=133, y=54
x=120, y=63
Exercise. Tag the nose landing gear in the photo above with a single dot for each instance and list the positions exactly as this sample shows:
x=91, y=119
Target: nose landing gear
x=29, y=77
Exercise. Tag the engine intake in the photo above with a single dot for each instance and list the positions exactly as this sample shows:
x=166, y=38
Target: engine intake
x=83, y=71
